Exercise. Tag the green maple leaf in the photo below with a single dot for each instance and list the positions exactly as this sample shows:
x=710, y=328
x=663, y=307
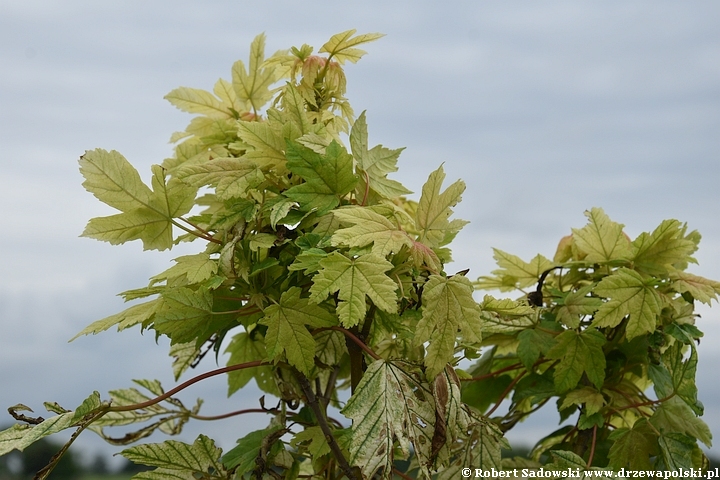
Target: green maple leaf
x=601, y=239
x=633, y=447
x=186, y=315
x=628, y=294
x=591, y=398
x=682, y=375
x=341, y=46
x=578, y=352
x=448, y=305
x=173, y=459
x=666, y=245
x=316, y=446
x=248, y=347
x=231, y=177
x=376, y=163
x=242, y=457
x=287, y=331
x=676, y=450
x=434, y=210
x=147, y=215
x=355, y=279
x=576, y=304
x=252, y=85
x=327, y=177
x=369, y=227
x=388, y=404
x=675, y=416
x=532, y=343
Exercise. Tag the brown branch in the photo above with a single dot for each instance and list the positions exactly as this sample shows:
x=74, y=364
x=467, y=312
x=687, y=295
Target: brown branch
x=235, y=413
x=183, y=386
x=592, y=446
x=509, y=368
x=401, y=474
x=505, y=393
x=312, y=402
x=352, y=337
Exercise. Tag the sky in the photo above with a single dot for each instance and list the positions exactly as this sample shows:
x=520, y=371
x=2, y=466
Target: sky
x=545, y=109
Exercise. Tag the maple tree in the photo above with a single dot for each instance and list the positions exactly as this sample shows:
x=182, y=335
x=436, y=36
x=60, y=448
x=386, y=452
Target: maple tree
x=323, y=276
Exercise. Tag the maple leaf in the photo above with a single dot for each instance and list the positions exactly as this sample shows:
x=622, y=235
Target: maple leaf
x=253, y=85
x=575, y=304
x=186, y=315
x=675, y=416
x=434, y=210
x=231, y=177
x=701, y=289
x=633, y=447
x=666, y=245
x=316, y=446
x=628, y=294
x=578, y=352
x=514, y=272
x=195, y=269
x=327, y=177
x=388, y=404
x=591, y=398
x=341, y=45
x=173, y=458
x=354, y=279
x=601, y=239
x=287, y=331
x=248, y=347
x=195, y=100
x=135, y=315
x=264, y=142
x=147, y=215
x=376, y=163
x=369, y=227
x=532, y=343
x=448, y=305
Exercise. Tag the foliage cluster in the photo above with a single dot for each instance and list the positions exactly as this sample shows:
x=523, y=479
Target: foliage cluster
x=322, y=275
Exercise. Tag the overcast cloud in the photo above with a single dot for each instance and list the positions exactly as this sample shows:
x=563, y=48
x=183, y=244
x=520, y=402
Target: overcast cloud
x=545, y=109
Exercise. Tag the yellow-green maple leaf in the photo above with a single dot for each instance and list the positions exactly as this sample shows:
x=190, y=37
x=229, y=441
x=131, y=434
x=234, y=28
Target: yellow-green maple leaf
x=147, y=215
x=369, y=227
x=602, y=239
x=354, y=279
x=434, y=210
x=376, y=163
x=252, y=85
x=341, y=45
x=628, y=294
x=195, y=100
x=448, y=305
x=287, y=331
x=666, y=245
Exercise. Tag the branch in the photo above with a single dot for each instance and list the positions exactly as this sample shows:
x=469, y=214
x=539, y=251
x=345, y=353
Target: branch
x=183, y=386
x=352, y=337
x=312, y=402
x=235, y=413
x=505, y=393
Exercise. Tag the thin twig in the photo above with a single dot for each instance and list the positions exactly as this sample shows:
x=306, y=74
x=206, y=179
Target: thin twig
x=352, y=337
x=183, y=386
x=504, y=394
x=235, y=413
x=592, y=446
x=312, y=402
